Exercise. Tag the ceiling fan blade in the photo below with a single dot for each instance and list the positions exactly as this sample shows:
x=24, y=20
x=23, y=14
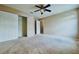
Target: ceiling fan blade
x=37, y=6
x=47, y=6
x=37, y=10
x=47, y=10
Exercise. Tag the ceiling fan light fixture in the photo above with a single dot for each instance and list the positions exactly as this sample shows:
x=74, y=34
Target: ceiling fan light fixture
x=42, y=8
x=41, y=12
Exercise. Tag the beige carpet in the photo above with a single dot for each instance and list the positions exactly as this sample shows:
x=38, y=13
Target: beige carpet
x=40, y=44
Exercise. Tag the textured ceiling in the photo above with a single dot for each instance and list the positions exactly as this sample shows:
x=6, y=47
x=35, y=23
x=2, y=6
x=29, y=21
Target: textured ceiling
x=56, y=8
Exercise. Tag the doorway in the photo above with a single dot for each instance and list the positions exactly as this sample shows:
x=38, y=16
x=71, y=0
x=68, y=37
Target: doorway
x=22, y=26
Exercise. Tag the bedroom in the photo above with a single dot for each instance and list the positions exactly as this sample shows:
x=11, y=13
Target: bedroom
x=23, y=30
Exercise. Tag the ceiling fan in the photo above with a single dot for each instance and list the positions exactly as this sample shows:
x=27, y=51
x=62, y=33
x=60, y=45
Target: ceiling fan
x=42, y=8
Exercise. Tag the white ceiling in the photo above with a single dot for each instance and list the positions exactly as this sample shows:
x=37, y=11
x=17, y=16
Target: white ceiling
x=56, y=8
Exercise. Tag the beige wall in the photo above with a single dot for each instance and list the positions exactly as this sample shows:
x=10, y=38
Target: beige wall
x=8, y=26
x=38, y=26
x=20, y=26
x=64, y=24
x=30, y=26
x=11, y=26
